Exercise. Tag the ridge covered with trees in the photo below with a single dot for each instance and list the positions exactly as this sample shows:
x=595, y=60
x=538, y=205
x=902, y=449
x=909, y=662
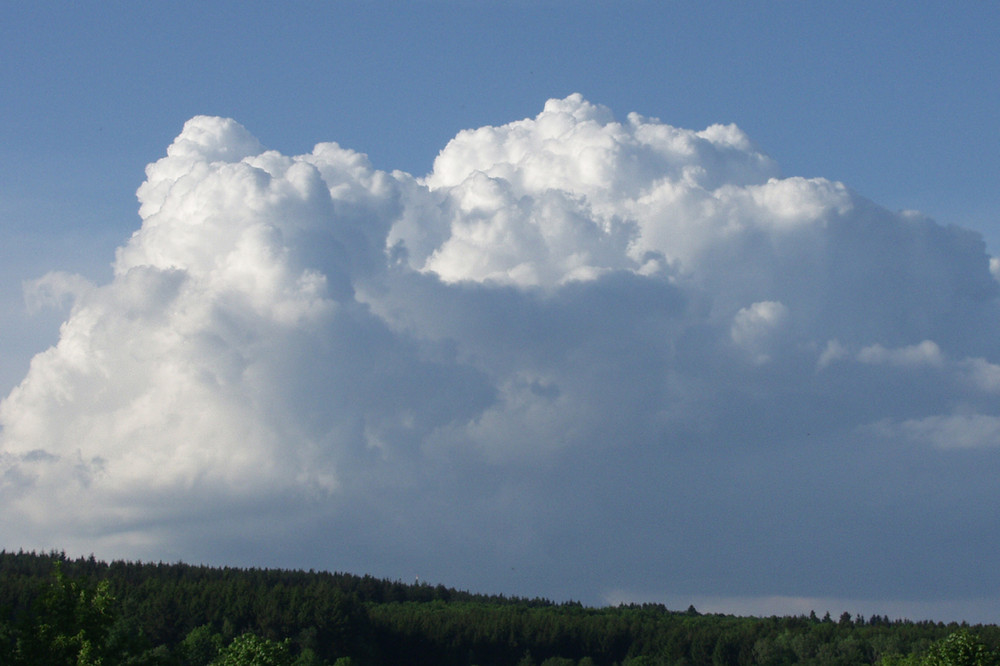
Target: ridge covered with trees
x=55, y=610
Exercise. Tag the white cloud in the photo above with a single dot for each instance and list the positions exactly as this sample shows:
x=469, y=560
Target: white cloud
x=953, y=431
x=55, y=290
x=180, y=376
x=832, y=352
x=533, y=345
x=755, y=329
x=925, y=353
x=982, y=374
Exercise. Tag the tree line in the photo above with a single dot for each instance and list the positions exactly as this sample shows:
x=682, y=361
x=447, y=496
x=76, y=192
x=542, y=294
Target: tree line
x=56, y=610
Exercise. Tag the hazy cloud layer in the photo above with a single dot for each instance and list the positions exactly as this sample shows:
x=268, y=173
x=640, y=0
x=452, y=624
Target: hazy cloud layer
x=580, y=358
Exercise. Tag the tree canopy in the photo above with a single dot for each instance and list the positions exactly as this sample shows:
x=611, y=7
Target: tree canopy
x=55, y=610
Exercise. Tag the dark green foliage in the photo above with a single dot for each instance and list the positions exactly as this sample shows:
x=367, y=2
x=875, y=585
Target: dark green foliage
x=68, y=624
x=200, y=647
x=252, y=650
x=961, y=648
x=54, y=610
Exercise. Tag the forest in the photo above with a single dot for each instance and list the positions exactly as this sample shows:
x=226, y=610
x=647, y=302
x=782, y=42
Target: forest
x=56, y=610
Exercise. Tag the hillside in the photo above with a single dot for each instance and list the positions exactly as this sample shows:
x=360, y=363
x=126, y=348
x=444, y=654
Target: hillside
x=56, y=610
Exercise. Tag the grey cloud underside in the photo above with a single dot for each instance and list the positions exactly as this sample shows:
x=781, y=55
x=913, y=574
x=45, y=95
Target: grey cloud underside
x=581, y=355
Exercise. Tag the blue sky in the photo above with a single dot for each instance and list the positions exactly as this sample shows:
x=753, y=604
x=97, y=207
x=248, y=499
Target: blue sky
x=896, y=101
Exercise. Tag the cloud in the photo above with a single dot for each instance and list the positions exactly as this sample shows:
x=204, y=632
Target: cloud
x=755, y=328
x=598, y=353
x=953, y=431
x=54, y=290
x=925, y=353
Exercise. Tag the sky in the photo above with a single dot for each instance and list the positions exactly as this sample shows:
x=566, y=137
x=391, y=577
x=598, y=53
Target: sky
x=680, y=302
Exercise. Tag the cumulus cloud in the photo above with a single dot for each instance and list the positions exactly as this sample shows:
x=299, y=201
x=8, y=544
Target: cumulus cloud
x=579, y=346
x=952, y=431
x=926, y=353
x=755, y=328
x=57, y=289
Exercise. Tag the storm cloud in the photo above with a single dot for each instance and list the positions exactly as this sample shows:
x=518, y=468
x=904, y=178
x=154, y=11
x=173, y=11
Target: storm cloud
x=582, y=358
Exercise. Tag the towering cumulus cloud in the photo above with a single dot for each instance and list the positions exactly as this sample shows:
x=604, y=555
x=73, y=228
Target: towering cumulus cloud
x=580, y=358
